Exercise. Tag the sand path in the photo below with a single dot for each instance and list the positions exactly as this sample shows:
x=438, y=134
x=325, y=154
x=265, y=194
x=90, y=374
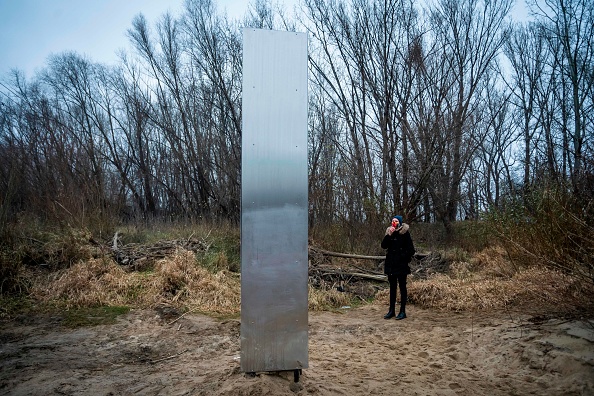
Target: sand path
x=351, y=352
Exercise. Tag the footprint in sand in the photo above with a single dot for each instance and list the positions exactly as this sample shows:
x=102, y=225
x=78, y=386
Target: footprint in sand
x=455, y=385
x=453, y=356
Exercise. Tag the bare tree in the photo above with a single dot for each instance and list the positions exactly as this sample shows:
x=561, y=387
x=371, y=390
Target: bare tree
x=569, y=27
x=323, y=159
x=406, y=112
x=360, y=60
x=214, y=47
x=469, y=37
x=526, y=53
x=492, y=174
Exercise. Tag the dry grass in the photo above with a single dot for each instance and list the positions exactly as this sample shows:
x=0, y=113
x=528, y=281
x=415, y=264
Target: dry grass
x=202, y=282
x=87, y=283
x=322, y=300
x=490, y=281
x=486, y=281
x=13, y=280
x=177, y=281
x=546, y=263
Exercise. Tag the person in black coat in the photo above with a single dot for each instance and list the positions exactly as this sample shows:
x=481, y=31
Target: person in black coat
x=400, y=252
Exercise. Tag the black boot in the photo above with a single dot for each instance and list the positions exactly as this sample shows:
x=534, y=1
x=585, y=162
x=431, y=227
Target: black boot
x=390, y=314
x=401, y=315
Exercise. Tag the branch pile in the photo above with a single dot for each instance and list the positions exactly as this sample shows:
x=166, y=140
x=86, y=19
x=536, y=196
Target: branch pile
x=357, y=274
x=136, y=256
x=426, y=264
x=322, y=273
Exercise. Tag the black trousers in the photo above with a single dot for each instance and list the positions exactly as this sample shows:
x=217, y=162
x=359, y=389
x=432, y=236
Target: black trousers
x=395, y=281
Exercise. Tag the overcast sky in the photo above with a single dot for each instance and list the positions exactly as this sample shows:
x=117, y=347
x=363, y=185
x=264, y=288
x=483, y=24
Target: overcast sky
x=31, y=30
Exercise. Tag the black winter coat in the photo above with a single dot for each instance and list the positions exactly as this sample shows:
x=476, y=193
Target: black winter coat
x=400, y=252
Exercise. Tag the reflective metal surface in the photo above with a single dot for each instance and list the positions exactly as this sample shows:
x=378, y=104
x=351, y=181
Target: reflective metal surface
x=274, y=202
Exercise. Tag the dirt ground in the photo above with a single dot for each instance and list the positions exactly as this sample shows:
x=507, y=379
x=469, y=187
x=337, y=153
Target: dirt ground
x=351, y=352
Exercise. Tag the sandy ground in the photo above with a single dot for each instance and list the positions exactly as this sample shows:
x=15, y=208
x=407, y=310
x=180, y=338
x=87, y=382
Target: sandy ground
x=351, y=352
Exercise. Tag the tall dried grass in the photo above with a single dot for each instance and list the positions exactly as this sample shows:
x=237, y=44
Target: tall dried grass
x=535, y=255
x=54, y=248
x=487, y=280
x=478, y=279
x=326, y=299
x=177, y=281
x=490, y=281
x=181, y=280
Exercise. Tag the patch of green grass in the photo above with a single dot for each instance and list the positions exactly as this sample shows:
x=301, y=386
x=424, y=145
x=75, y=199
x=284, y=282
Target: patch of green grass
x=81, y=317
x=357, y=302
x=134, y=292
x=223, y=253
x=13, y=305
x=231, y=247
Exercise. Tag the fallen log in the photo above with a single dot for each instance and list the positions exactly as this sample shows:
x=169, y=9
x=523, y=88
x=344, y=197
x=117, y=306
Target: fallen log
x=379, y=278
x=418, y=256
x=346, y=255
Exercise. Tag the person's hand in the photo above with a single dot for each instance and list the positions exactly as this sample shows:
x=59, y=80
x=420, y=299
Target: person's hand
x=390, y=230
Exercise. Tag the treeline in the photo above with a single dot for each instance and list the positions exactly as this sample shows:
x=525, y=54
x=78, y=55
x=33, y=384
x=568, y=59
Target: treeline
x=438, y=112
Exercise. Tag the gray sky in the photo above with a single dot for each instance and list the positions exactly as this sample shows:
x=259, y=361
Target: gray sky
x=31, y=30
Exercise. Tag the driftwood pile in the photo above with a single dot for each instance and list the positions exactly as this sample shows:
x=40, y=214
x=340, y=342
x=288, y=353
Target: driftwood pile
x=320, y=266
x=363, y=275
x=137, y=256
x=427, y=264
x=356, y=274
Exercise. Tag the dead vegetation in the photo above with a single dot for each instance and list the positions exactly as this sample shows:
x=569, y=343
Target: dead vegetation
x=483, y=281
x=201, y=274
x=177, y=280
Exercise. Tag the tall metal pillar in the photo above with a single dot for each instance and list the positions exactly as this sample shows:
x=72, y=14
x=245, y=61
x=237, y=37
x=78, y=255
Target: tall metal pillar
x=274, y=204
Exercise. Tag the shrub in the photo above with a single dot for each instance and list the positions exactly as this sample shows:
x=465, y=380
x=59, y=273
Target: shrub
x=12, y=280
x=551, y=228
